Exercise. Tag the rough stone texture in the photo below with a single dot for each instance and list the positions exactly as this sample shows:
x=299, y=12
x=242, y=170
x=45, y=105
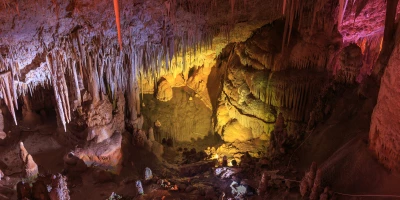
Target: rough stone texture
x=226, y=172
x=119, y=116
x=307, y=182
x=23, y=153
x=180, y=118
x=39, y=190
x=100, y=114
x=59, y=190
x=139, y=138
x=164, y=91
x=350, y=64
x=196, y=168
x=384, y=135
x=106, y=154
x=3, y=135
x=73, y=163
x=31, y=168
x=24, y=190
x=262, y=79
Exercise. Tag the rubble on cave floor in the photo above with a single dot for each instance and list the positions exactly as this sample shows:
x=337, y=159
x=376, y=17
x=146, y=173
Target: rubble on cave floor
x=195, y=176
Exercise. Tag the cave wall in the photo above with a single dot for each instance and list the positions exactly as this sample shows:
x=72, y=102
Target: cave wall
x=384, y=134
x=261, y=80
x=183, y=118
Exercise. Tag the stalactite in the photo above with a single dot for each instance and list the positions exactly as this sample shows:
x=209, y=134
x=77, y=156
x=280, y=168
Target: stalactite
x=76, y=82
x=9, y=93
x=342, y=10
x=60, y=87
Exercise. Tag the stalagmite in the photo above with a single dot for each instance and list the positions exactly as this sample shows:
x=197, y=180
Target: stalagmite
x=263, y=185
x=23, y=153
x=31, y=168
x=151, y=134
x=139, y=187
x=148, y=174
x=315, y=191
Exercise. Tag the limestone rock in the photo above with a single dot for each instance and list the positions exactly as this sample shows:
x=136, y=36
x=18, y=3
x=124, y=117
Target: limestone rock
x=2, y=133
x=315, y=191
x=307, y=182
x=31, y=168
x=119, y=116
x=100, y=133
x=139, y=187
x=39, y=190
x=351, y=62
x=235, y=131
x=195, y=168
x=24, y=190
x=139, y=138
x=73, y=164
x=226, y=172
x=59, y=190
x=100, y=113
x=263, y=185
x=105, y=155
x=151, y=134
x=23, y=153
x=164, y=91
x=384, y=134
x=148, y=174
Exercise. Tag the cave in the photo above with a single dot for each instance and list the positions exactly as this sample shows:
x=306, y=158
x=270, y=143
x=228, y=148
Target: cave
x=199, y=99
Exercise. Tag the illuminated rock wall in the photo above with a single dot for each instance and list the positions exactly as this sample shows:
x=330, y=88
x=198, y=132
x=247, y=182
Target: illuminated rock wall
x=262, y=81
x=384, y=132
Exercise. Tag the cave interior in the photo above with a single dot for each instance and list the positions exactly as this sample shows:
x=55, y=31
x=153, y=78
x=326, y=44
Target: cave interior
x=199, y=99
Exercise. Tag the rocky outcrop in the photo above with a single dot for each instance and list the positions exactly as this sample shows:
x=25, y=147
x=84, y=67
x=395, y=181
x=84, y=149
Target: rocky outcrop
x=261, y=79
x=182, y=119
x=59, y=189
x=49, y=187
x=164, y=91
x=351, y=62
x=105, y=155
x=104, y=138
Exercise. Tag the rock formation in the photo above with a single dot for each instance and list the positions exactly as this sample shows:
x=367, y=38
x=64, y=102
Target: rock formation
x=31, y=168
x=148, y=174
x=316, y=189
x=23, y=153
x=383, y=131
x=263, y=185
x=3, y=135
x=164, y=91
x=59, y=189
x=351, y=62
x=307, y=182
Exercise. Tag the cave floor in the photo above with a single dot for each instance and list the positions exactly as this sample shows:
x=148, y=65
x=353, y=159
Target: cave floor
x=339, y=146
x=47, y=150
